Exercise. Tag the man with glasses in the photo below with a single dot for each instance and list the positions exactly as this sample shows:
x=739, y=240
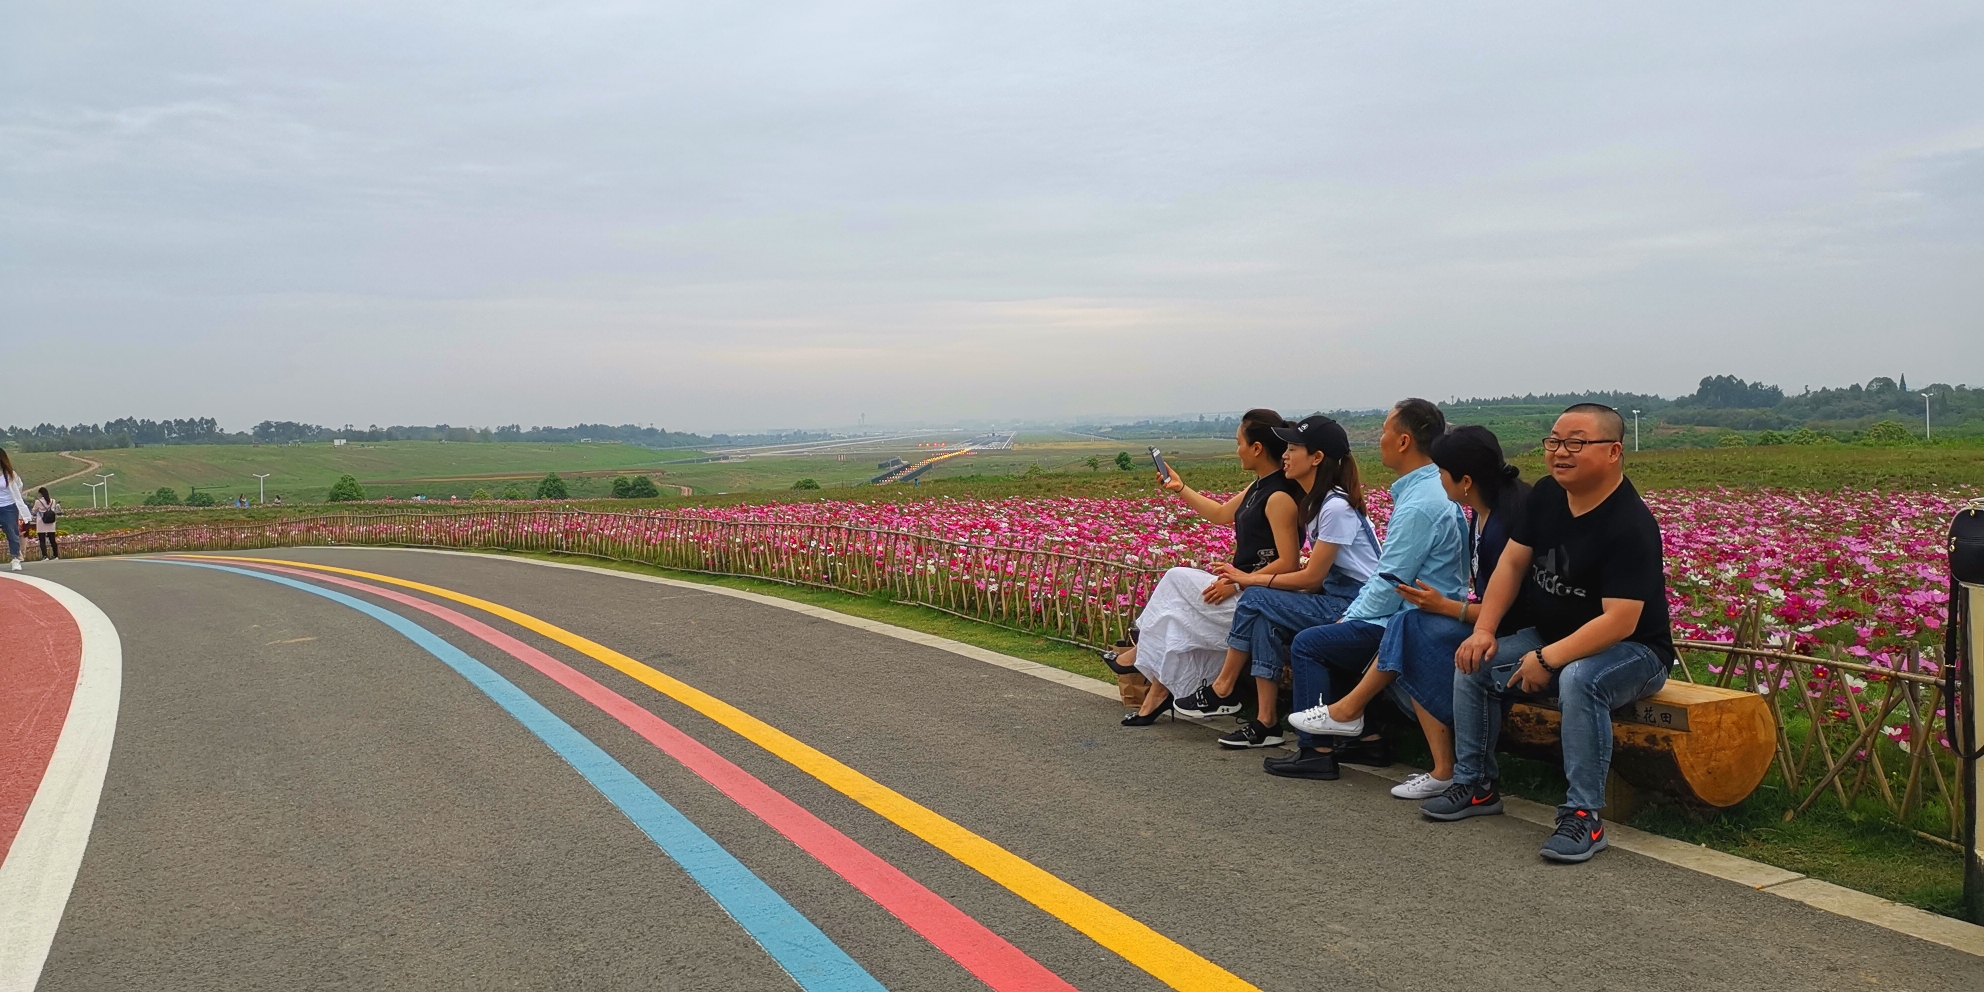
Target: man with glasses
x=1586, y=562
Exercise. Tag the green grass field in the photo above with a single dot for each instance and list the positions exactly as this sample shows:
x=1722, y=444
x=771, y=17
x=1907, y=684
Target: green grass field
x=304, y=472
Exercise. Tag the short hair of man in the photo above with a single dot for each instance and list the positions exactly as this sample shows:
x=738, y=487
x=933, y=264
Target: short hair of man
x=1422, y=420
x=1610, y=423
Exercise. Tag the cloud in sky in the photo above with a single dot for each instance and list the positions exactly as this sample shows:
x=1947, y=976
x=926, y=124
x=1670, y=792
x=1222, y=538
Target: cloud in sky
x=730, y=216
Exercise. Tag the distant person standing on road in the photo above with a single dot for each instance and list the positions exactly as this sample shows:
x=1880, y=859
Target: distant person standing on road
x=13, y=509
x=45, y=511
x=1584, y=562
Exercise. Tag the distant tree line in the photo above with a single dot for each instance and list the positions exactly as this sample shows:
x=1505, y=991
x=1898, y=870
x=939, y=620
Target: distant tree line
x=1724, y=401
x=123, y=433
x=130, y=432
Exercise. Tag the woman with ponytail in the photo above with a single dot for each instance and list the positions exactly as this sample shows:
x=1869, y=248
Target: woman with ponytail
x=1343, y=552
x=1418, y=649
x=1182, y=629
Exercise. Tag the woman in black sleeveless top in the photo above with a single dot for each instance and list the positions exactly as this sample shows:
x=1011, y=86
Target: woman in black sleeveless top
x=1253, y=536
x=1183, y=628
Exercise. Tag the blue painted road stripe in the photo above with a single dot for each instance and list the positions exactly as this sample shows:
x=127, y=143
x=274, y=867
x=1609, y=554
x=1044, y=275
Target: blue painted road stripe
x=808, y=955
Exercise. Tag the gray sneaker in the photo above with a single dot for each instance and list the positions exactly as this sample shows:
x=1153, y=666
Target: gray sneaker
x=1462, y=800
x=1579, y=836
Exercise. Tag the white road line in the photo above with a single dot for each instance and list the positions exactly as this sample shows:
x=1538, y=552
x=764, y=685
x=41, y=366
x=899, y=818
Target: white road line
x=41, y=866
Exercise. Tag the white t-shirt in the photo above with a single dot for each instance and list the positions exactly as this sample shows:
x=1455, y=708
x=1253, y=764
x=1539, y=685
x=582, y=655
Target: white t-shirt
x=10, y=492
x=1336, y=523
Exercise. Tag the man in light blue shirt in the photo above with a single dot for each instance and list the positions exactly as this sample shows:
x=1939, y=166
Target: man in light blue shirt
x=1426, y=541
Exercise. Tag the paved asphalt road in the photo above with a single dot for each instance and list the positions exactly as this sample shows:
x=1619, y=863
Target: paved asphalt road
x=302, y=798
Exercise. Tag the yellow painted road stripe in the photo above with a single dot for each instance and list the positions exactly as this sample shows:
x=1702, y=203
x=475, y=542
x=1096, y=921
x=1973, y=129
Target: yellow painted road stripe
x=1164, y=958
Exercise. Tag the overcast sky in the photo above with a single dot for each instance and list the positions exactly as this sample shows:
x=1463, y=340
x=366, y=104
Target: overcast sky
x=742, y=215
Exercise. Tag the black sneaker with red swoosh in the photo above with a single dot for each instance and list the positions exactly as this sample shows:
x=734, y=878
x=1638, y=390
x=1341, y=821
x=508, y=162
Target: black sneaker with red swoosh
x=1579, y=836
x=1462, y=800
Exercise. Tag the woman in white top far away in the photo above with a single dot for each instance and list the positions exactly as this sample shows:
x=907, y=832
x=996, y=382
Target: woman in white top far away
x=13, y=509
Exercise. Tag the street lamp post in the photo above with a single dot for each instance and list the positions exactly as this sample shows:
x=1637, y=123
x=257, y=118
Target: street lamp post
x=93, y=487
x=105, y=476
x=1925, y=414
x=262, y=482
x=1636, y=430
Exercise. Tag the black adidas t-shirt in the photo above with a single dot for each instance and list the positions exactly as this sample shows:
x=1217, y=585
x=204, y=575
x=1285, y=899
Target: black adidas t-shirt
x=1612, y=552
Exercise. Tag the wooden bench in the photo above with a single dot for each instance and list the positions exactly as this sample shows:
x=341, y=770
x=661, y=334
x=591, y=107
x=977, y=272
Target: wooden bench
x=1698, y=741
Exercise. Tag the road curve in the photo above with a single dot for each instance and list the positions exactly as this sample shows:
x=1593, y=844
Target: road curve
x=319, y=781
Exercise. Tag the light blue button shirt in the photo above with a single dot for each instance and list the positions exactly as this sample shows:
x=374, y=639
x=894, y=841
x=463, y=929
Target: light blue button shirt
x=1425, y=541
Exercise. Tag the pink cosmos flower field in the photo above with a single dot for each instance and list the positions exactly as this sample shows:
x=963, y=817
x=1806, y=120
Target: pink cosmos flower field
x=1859, y=569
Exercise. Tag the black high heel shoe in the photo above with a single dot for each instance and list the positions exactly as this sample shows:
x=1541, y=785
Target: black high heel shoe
x=1109, y=658
x=1146, y=719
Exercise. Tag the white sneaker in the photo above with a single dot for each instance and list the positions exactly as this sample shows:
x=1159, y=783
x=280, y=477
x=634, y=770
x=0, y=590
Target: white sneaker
x=17, y=564
x=1421, y=786
x=1317, y=720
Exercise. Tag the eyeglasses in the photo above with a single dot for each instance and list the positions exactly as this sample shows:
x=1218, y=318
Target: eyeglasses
x=1573, y=444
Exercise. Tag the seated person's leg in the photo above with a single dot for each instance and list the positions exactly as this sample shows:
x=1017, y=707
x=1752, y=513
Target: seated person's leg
x=1439, y=740
x=1351, y=707
x=1477, y=725
x=1260, y=626
x=1351, y=646
x=1239, y=642
x=1588, y=691
x=1312, y=682
x=1156, y=702
x=1420, y=647
x=1266, y=665
x=1227, y=682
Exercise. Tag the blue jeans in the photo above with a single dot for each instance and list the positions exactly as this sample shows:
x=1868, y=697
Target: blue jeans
x=1587, y=691
x=1420, y=647
x=1265, y=620
x=10, y=518
x=1345, y=646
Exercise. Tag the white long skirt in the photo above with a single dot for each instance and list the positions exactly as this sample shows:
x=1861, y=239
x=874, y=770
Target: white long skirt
x=1181, y=638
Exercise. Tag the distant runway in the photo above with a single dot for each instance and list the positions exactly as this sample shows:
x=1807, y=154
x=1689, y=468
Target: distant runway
x=356, y=769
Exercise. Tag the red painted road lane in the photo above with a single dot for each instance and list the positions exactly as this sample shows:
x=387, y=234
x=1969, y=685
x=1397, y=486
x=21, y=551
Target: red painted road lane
x=41, y=653
x=989, y=957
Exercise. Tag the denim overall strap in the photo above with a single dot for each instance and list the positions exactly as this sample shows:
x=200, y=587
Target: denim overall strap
x=1338, y=582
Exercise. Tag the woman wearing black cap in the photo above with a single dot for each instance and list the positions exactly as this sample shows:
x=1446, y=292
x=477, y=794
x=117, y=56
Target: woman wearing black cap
x=1183, y=627
x=1343, y=552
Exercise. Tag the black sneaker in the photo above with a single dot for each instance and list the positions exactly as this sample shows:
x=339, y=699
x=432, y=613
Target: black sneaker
x=1252, y=733
x=1462, y=800
x=1374, y=754
x=1307, y=763
x=1206, y=704
x=1579, y=836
